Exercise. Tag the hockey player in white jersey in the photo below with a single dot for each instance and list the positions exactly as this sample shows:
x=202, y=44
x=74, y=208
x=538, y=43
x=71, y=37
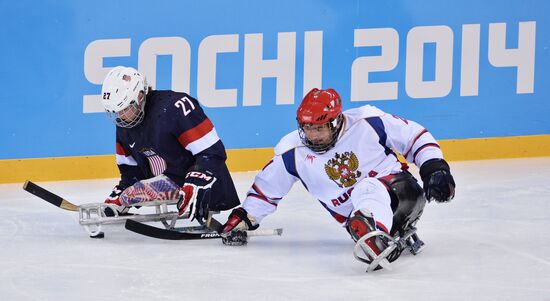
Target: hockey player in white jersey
x=347, y=161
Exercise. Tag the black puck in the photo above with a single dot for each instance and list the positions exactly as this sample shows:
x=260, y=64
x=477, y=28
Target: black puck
x=98, y=235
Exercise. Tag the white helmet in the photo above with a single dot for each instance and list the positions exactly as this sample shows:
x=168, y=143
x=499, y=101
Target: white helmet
x=123, y=96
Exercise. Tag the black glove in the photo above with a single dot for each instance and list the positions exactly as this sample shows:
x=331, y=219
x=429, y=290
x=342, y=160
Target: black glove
x=195, y=193
x=234, y=230
x=438, y=181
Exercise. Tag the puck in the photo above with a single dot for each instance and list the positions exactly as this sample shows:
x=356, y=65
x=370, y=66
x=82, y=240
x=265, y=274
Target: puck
x=98, y=235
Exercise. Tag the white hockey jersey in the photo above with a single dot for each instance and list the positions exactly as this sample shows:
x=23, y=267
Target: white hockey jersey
x=365, y=148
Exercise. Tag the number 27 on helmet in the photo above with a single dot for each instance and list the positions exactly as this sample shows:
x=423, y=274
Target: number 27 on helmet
x=123, y=96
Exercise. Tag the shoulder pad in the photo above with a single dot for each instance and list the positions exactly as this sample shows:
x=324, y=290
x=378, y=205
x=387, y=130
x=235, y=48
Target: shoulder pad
x=288, y=142
x=366, y=111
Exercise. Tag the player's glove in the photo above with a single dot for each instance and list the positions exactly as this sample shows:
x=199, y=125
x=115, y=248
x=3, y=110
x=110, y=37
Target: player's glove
x=195, y=193
x=114, y=199
x=438, y=182
x=234, y=230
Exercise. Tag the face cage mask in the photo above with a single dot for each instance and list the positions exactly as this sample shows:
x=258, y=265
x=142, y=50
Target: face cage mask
x=334, y=125
x=130, y=116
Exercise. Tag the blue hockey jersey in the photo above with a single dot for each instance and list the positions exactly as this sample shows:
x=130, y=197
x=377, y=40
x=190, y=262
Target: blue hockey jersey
x=174, y=135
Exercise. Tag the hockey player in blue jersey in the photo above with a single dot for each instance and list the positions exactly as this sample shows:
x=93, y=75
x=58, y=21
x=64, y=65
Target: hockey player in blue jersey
x=166, y=148
x=347, y=161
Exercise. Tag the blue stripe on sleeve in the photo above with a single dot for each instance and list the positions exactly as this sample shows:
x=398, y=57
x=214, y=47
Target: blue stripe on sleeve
x=379, y=128
x=290, y=162
x=289, y=159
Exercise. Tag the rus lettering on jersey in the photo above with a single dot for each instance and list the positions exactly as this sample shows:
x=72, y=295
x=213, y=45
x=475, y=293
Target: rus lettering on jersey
x=342, y=199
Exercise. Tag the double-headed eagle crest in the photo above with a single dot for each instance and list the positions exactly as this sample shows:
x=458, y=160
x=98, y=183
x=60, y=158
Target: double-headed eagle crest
x=342, y=169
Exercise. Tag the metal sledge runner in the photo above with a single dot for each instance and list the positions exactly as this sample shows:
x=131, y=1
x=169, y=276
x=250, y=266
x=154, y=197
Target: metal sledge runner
x=396, y=245
x=92, y=216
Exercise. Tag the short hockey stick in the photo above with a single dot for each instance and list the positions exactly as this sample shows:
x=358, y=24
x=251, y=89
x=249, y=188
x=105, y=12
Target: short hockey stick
x=49, y=197
x=155, y=232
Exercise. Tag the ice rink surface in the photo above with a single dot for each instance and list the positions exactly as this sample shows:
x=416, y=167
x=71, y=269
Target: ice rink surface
x=491, y=242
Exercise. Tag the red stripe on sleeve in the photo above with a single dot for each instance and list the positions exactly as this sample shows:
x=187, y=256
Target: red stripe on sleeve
x=261, y=197
x=120, y=150
x=414, y=141
x=196, y=133
x=260, y=192
x=267, y=164
x=423, y=147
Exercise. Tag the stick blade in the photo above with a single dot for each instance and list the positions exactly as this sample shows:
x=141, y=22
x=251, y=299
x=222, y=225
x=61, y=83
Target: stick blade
x=159, y=233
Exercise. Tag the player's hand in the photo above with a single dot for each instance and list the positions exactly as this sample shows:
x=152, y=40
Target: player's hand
x=233, y=230
x=114, y=197
x=439, y=184
x=239, y=219
x=194, y=193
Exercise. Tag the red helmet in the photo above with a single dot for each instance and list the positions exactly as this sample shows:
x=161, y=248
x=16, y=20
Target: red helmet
x=320, y=107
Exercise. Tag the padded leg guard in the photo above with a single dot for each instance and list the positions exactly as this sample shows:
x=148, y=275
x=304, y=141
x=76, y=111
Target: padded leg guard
x=373, y=247
x=408, y=201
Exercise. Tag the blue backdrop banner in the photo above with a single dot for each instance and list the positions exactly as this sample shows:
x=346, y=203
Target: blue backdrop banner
x=463, y=69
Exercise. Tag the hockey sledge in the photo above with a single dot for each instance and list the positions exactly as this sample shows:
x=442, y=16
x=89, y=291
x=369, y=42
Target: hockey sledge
x=92, y=216
x=396, y=245
x=371, y=259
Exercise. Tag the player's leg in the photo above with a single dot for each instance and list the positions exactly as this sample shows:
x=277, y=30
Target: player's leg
x=372, y=196
x=360, y=224
x=372, y=214
x=154, y=189
x=223, y=195
x=408, y=201
x=157, y=188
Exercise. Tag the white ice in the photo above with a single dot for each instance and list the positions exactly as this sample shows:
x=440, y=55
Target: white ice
x=490, y=243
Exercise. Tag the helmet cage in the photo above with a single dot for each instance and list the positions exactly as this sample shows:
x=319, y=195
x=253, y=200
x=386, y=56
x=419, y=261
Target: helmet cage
x=130, y=116
x=124, y=93
x=321, y=148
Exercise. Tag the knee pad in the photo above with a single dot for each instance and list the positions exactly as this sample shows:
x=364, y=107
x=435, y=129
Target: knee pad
x=408, y=201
